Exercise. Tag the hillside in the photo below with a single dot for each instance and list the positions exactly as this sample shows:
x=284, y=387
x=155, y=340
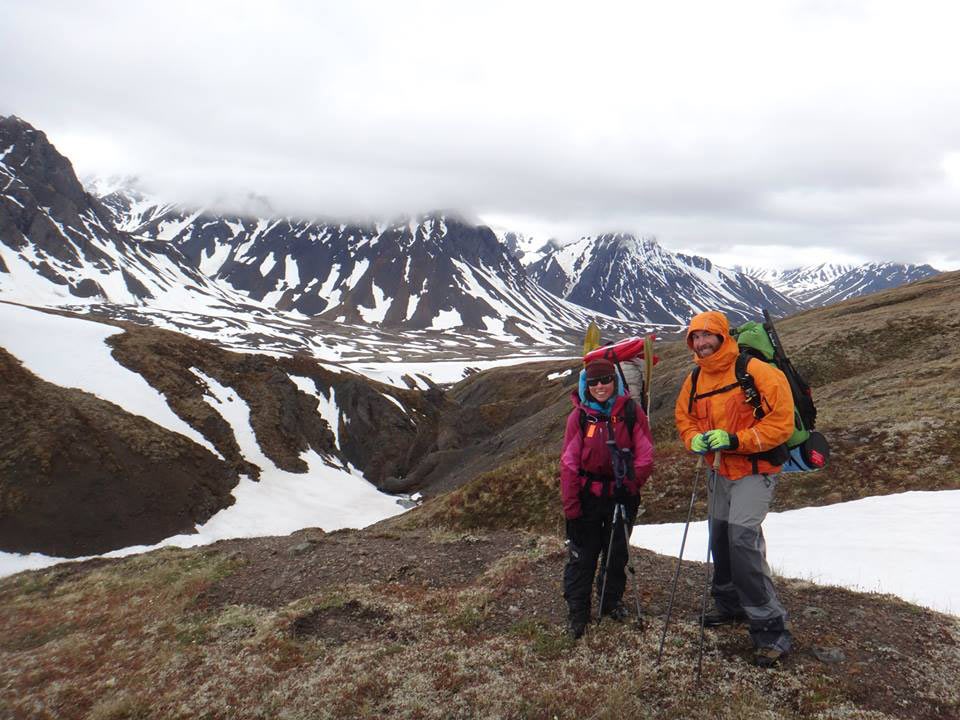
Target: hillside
x=454, y=609
x=885, y=370
x=80, y=474
x=433, y=624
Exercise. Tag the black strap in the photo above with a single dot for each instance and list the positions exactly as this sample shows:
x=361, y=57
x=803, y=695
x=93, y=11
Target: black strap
x=595, y=477
x=749, y=387
x=629, y=417
x=725, y=388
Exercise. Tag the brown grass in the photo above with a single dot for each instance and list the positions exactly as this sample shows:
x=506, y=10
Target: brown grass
x=156, y=636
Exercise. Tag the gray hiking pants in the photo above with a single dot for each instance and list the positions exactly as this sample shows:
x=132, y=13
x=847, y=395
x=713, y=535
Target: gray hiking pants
x=741, y=576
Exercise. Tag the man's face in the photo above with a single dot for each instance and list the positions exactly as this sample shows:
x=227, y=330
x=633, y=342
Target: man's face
x=704, y=343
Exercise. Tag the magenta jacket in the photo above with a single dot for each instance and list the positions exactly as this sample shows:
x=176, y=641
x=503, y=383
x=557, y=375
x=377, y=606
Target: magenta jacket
x=589, y=452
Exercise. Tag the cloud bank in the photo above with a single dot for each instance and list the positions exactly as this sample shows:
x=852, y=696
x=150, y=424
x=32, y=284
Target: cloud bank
x=777, y=133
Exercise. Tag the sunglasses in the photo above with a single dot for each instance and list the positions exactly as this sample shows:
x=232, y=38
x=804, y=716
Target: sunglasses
x=606, y=379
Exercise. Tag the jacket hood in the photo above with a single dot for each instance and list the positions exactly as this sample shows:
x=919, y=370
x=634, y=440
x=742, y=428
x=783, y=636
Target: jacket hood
x=716, y=323
x=712, y=321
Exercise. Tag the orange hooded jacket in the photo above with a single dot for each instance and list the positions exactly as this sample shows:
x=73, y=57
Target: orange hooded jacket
x=730, y=410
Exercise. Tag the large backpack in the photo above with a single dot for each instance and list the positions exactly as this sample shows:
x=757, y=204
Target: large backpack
x=632, y=348
x=806, y=449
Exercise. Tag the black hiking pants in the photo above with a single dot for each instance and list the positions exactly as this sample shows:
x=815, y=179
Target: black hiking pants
x=588, y=538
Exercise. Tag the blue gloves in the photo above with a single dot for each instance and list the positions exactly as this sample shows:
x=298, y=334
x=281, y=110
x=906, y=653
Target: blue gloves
x=721, y=440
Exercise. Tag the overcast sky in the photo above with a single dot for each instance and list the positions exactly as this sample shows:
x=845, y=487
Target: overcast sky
x=730, y=129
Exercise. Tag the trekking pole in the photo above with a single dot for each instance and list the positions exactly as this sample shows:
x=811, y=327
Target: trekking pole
x=633, y=573
x=620, y=513
x=683, y=542
x=622, y=467
x=606, y=564
x=706, y=584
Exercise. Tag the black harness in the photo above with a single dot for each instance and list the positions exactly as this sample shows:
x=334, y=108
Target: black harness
x=630, y=418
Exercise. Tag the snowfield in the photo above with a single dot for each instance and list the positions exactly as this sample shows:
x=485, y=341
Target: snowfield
x=904, y=544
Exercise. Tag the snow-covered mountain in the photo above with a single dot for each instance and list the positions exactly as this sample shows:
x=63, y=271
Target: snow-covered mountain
x=413, y=287
x=59, y=245
x=528, y=249
x=827, y=283
x=432, y=273
x=629, y=277
x=322, y=286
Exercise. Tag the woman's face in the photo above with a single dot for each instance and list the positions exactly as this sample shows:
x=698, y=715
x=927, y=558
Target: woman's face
x=601, y=388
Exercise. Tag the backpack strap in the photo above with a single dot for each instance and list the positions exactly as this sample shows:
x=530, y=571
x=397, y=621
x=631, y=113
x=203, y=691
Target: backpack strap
x=612, y=357
x=629, y=417
x=749, y=387
x=744, y=382
x=693, y=389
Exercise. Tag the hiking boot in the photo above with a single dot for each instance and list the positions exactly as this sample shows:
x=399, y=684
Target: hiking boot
x=618, y=613
x=767, y=657
x=576, y=628
x=716, y=618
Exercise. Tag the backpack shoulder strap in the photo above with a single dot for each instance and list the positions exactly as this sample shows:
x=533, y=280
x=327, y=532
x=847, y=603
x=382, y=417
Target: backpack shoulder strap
x=630, y=415
x=694, y=374
x=584, y=420
x=749, y=387
x=693, y=388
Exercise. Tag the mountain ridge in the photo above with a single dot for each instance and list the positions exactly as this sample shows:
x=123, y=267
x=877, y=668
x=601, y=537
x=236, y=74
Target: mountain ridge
x=64, y=248
x=828, y=283
x=127, y=253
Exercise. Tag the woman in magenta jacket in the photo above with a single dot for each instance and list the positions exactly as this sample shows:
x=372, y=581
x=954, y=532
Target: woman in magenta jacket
x=588, y=490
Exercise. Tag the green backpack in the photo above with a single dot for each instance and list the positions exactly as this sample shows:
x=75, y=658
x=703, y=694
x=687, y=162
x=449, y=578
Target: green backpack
x=760, y=340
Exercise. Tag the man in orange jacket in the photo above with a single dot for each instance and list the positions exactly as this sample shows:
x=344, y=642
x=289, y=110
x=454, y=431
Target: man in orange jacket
x=719, y=418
